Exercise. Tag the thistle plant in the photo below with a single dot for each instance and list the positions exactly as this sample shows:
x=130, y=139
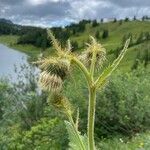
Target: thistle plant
x=54, y=71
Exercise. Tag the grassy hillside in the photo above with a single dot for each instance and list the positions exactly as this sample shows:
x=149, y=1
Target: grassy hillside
x=31, y=50
x=116, y=34
x=117, y=30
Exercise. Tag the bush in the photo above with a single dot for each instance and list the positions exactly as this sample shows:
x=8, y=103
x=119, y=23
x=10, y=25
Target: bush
x=94, y=23
x=97, y=35
x=122, y=107
x=105, y=34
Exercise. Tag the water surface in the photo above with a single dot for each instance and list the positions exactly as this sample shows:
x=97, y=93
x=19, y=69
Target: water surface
x=9, y=59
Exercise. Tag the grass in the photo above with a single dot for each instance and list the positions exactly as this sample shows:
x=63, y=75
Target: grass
x=8, y=39
x=11, y=41
x=116, y=32
x=32, y=51
x=138, y=142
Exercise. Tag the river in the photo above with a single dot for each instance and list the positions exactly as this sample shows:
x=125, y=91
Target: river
x=9, y=60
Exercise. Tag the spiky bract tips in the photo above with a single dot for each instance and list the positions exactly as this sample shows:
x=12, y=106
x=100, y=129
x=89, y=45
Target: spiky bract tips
x=98, y=49
x=61, y=103
x=56, y=66
x=50, y=82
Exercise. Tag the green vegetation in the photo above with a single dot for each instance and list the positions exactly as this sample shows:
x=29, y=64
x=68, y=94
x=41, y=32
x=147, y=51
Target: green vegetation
x=55, y=71
x=29, y=118
x=139, y=141
x=122, y=113
x=138, y=30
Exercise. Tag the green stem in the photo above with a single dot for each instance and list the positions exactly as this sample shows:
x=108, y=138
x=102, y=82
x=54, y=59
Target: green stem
x=91, y=118
x=83, y=69
x=93, y=61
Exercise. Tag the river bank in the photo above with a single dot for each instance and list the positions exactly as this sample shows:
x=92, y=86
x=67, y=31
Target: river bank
x=11, y=41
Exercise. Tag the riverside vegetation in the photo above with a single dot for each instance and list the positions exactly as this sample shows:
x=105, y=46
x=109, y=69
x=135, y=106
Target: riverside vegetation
x=122, y=109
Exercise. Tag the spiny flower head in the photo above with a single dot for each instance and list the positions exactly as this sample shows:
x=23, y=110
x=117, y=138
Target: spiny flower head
x=96, y=48
x=61, y=52
x=61, y=103
x=50, y=82
x=56, y=66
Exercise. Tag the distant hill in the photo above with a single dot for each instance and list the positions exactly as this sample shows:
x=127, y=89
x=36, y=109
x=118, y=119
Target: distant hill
x=2, y=20
x=112, y=35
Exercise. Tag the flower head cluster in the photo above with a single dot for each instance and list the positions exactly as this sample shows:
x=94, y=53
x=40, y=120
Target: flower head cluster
x=61, y=103
x=50, y=82
x=54, y=71
x=98, y=49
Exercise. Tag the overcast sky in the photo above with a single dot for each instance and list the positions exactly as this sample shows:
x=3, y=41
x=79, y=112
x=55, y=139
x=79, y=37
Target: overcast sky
x=62, y=12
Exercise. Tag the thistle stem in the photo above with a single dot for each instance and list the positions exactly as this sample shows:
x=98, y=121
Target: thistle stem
x=91, y=118
x=93, y=61
x=83, y=69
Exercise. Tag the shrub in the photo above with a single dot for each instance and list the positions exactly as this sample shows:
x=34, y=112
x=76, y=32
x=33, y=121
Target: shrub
x=94, y=23
x=122, y=107
x=105, y=34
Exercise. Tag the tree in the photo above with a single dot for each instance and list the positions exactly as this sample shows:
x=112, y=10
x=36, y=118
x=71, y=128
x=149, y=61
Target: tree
x=75, y=46
x=102, y=20
x=134, y=18
x=97, y=34
x=140, y=38
x=120, y=22
x=94, y=23
x=81, y=26
x=44, y=44
x=142, y=58
x=105, y=34
x=146, y=57
x=131, y=39
x=136, y=61
x=147, y=35
x=117, y=52
x=115, y=20
x=126, y=19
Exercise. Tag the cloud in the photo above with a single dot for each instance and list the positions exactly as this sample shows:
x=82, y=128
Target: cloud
x=131, y=3
x=62, y=12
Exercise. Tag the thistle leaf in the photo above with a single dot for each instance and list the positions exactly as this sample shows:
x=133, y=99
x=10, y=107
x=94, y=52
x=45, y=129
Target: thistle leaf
x=108, y=71
x=77, y=119
x=75, y=143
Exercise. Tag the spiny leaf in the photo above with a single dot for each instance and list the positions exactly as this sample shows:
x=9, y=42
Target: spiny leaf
x=75, y=143
x=108, y=71
x=77, y=119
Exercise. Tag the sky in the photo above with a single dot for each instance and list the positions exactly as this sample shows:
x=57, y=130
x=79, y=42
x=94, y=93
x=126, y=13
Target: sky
x=47, y=13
